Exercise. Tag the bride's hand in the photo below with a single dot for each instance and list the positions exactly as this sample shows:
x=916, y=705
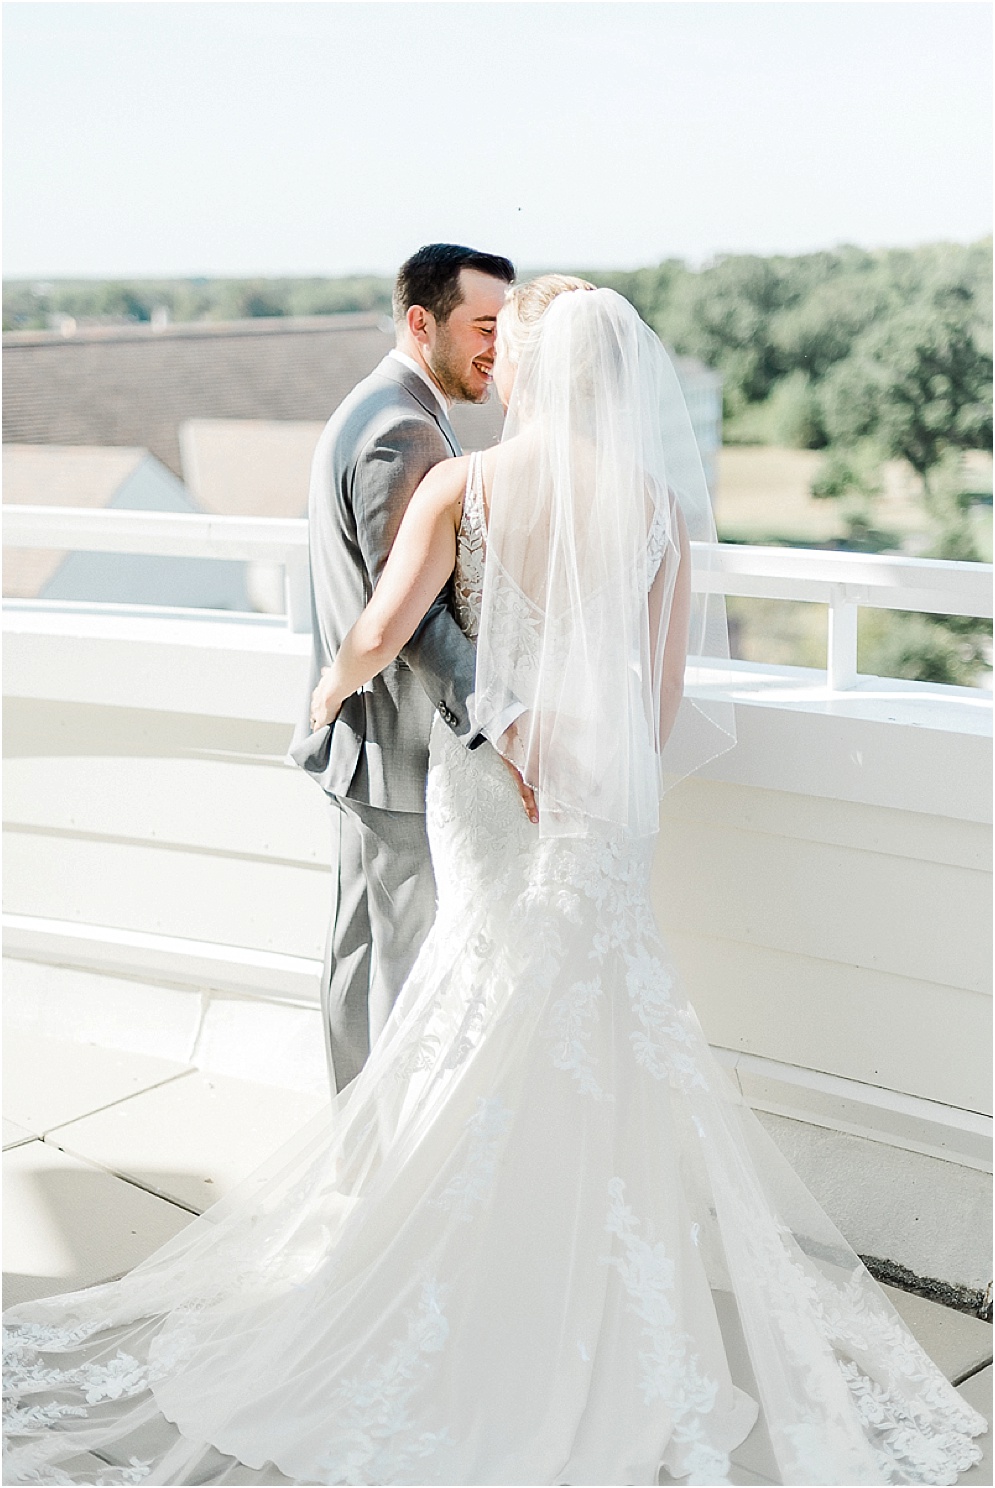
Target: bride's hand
x=509, y=744
x=325, y=701
x=525, y=791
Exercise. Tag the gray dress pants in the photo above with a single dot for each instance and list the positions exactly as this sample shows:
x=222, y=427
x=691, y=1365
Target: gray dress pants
x=383, y=907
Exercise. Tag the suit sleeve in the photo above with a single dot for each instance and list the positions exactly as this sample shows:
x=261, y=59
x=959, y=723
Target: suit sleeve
x=440, y=655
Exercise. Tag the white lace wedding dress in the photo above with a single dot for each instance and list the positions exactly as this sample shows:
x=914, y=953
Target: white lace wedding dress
x=520, y=1249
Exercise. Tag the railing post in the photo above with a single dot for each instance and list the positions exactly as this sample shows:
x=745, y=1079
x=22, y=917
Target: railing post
x=297, y=591
x=841, y=661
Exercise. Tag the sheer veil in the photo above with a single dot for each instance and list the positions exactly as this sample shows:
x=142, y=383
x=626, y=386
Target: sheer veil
x=583, y=551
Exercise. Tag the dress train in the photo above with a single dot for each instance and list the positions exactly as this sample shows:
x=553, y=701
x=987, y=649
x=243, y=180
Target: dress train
x=521, y=1248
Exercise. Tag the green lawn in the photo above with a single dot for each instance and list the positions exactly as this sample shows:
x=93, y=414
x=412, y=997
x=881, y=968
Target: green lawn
x=763, y=497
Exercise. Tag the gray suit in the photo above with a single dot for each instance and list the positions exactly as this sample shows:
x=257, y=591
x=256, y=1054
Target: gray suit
x=373, y=761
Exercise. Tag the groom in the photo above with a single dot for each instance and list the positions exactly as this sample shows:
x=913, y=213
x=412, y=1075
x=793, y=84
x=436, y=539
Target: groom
x=372, y=762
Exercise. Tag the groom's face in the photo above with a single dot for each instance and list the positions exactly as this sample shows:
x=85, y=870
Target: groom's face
x=461, y=354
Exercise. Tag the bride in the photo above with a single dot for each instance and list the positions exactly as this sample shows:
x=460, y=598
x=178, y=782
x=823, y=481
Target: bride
x=540, y=1239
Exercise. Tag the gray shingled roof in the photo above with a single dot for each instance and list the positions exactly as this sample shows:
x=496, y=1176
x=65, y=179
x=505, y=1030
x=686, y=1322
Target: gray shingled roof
x=135, y=386
x=130, y=385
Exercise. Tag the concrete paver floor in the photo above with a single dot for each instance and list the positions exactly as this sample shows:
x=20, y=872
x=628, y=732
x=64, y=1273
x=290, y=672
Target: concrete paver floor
x=107, y=1155
x=958, y=1344
x=70, y=1224
x=14, y=1135
x=48, y=1082
x=192, y=1139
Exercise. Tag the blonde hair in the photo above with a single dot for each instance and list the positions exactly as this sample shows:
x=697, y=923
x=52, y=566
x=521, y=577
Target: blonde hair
x=525, y=305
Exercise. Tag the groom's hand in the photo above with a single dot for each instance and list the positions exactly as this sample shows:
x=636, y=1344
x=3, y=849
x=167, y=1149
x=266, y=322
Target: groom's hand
x=325, y=703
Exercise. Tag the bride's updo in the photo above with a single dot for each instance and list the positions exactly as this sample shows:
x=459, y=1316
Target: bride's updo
x=524, y=308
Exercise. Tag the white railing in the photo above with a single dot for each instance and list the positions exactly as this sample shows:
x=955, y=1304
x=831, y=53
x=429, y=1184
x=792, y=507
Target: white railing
x=275, y=540
x=843, y=581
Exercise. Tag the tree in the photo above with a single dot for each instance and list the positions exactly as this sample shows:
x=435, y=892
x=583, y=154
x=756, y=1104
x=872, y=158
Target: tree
x=933, y=384
x=726, y=319
x=821, y=328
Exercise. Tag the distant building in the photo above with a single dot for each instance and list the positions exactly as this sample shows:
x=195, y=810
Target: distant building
x=702, y=390
x=127, y=479
x=249, y=467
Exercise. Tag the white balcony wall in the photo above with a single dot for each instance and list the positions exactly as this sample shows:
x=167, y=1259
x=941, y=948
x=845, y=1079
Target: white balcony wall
x=146, y=792
x=826, y=889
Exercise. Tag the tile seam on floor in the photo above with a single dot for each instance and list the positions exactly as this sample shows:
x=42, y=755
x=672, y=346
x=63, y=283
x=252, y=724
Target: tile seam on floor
x=977, y=1369
x=132, y=1095
x=127, y=1178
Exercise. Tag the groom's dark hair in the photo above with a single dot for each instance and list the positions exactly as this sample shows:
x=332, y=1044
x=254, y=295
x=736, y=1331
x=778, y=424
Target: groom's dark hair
x=430, y=278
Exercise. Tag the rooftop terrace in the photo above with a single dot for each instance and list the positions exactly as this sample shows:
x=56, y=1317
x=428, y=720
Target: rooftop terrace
x=826, y=888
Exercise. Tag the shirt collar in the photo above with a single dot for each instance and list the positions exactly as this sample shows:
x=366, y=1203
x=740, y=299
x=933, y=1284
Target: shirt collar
x=412, y=365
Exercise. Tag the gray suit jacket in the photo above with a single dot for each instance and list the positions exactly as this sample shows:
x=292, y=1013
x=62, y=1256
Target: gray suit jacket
x=373, y=452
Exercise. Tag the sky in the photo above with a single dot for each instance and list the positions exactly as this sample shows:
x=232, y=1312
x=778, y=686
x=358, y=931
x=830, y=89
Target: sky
x=234, y=139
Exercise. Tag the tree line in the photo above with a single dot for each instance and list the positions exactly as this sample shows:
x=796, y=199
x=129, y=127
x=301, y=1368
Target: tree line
x=882, y=353
x=847, y=350
x=35, y=305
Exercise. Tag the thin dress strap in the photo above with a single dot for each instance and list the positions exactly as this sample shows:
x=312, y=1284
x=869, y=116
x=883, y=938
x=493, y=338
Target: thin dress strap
x=473, y=499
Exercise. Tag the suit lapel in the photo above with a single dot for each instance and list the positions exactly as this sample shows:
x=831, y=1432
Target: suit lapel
x=448, y=431
x=396, y=371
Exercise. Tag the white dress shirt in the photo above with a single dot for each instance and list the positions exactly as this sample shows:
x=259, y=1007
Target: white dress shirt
x=412, y=365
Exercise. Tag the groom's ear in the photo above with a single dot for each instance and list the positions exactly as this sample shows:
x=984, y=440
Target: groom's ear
x=421, y=323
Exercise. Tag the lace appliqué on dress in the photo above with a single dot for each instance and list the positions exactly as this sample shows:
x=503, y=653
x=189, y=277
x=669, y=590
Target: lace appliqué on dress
x=671, y=1372
x=471, y=549
x=376, y=1437
x=660, y=536
x=470, y=1187
x=572, y=1021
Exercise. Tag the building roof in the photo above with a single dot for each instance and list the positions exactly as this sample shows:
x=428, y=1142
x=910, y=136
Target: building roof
x=262, y=467
x=132, y=385
x=249, y=467
x=60, y=475
x=234, y=408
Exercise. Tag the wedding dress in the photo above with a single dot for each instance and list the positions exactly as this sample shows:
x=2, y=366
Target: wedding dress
x=521, y=1248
